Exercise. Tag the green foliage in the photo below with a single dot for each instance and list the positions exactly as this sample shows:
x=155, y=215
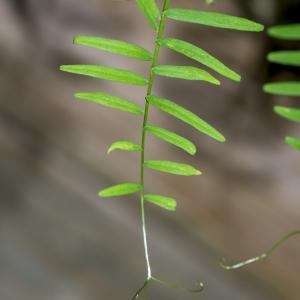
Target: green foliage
x=292, y=114
x=291, y=88
x=289, y=58
x=150, y=10
x=171, y=167
x=172, y=138
x=213, y=19
x=124, y=145
x=162, y=201
x=120, y=190
x=283, y=88
x=111, y=101
x=102, y=72
x=114, y=46
x=158, y=21
x=293, y=142
x=285, y=32
x=187, y=73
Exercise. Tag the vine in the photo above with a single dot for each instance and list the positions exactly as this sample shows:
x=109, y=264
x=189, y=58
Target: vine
x=158, y=20
x=287, y=58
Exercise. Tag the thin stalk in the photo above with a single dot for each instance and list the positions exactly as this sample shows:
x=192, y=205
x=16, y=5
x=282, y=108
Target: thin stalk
x=259, y=257
x=146, y=112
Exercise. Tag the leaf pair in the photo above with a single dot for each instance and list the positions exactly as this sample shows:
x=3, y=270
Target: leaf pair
x=131, y=188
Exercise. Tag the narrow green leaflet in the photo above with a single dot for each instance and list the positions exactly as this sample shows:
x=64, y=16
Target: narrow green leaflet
x=213, y=19
x=125, y=146
x=118, y=75
x=200, y=56
x=120, y=190
x=283, y=88
x=293, y=142
x=188, y=73
x=285, y=32
x=111, y=101
x=171, y=167
x=290, y=58
x=162, y=201
x=150, y=10
x=292, y=114
x=172, y=138
x=114, y=46
x=186, y=116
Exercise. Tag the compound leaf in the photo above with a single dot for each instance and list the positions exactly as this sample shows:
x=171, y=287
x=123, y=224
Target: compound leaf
x=285, y=32
x=186, y=116
x=120, y=190
x=290, y=58
x=213, y=19
x=125, y=146
x=171, y=167
x=111, y=101
x=108, y=73
x=162, y=201
x=292, y=114
x=293, y=142
x=114, y=46
x=172, y=138
x=283, y=88
x=183, y=72
x=150, y=10
x=200, y=56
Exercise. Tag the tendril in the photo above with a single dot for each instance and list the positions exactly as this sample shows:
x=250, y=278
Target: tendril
x=264, y=255
x=197, y=289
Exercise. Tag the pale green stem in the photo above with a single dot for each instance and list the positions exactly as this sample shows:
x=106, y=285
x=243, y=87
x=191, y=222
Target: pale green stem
x=259, y=257
x=146, y=111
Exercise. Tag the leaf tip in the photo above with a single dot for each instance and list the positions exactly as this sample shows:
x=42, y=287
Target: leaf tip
x=198, y=172
x=215, y=81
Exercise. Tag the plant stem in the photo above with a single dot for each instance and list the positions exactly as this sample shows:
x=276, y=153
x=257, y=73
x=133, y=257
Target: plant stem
x=146, y=112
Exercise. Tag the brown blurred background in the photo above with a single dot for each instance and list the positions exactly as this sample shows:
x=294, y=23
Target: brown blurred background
x=59, y=241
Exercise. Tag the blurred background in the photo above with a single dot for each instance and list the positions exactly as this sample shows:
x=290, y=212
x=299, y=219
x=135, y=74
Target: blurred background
x=58, y=240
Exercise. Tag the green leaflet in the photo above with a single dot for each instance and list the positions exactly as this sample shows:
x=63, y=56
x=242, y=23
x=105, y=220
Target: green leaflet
x=292, y=114
x=186, y=116
x=125, y=146
x=118, y=75
x=183, y=72
x=114, y=46
x=213, y=19
x=150, y=10
x=285, y=32
x=171, y=167
x=172, y=138
x=293, y=142
x=162, y=201
x=200, y=56
x=120, y=190
x=283, y=88
x=291, y=58
x=111, y=101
